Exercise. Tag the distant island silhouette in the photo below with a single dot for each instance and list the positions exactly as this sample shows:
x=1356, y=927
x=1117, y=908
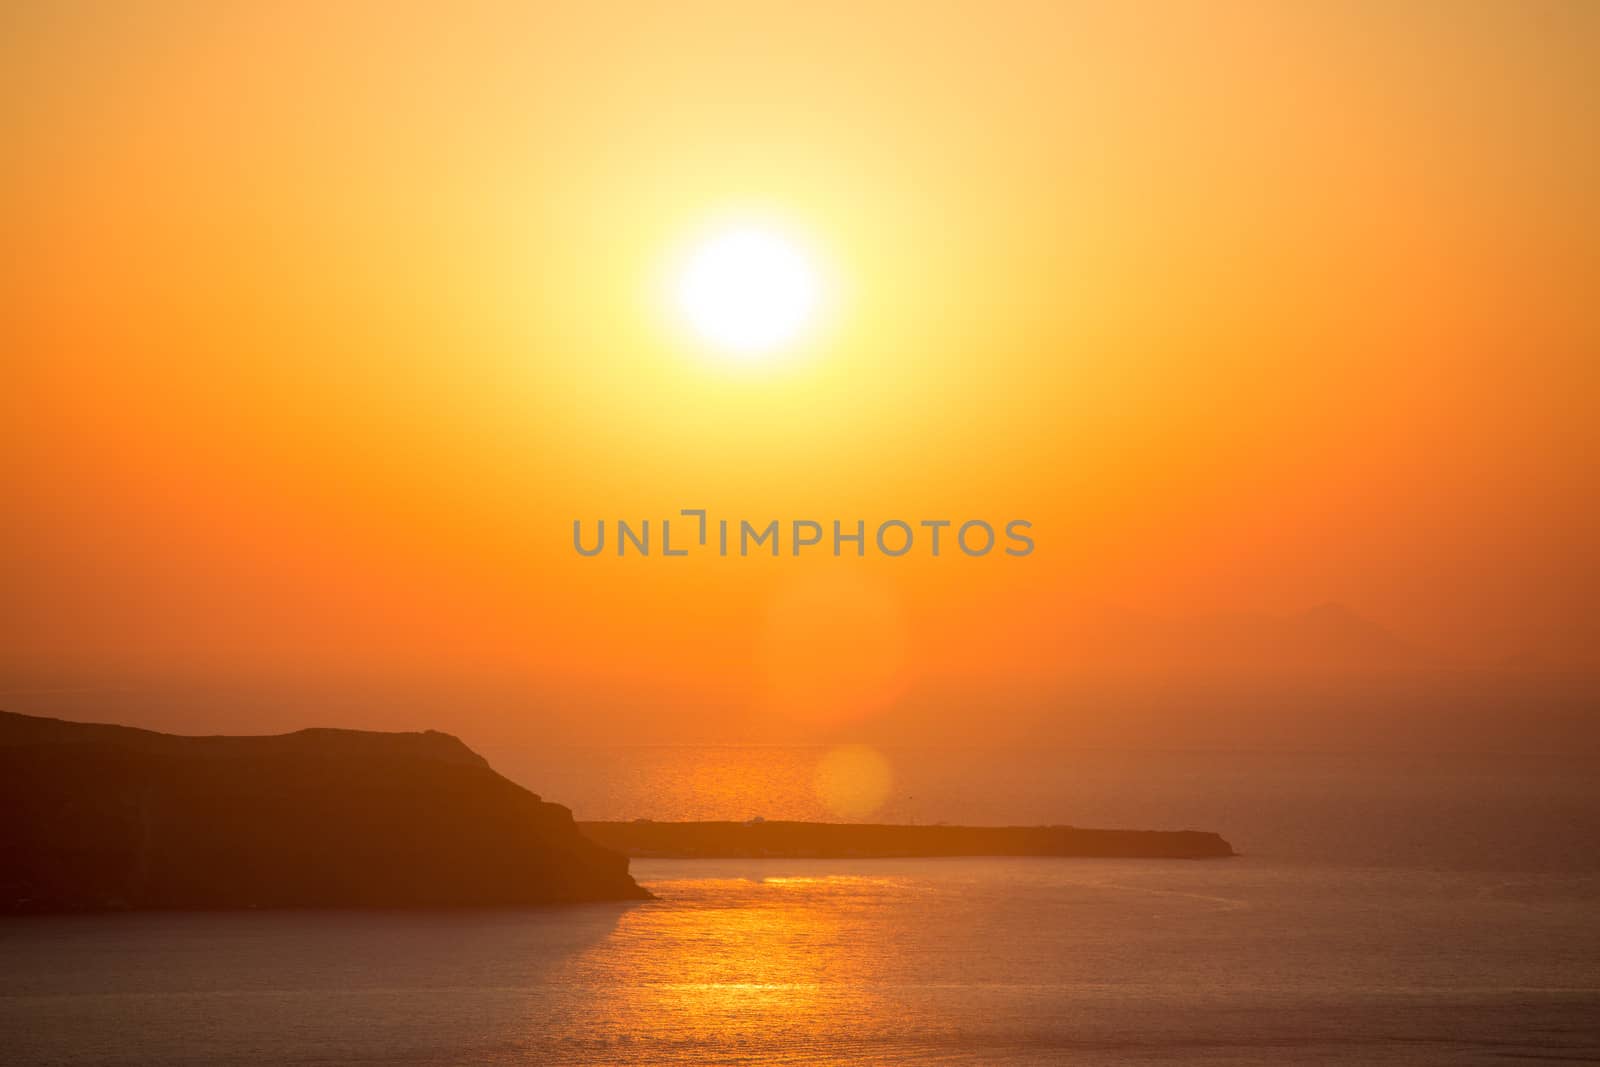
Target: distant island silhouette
x=821, y=840
x=105, y=817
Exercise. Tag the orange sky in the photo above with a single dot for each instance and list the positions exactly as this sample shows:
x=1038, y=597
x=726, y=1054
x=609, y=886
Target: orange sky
x=323, y=326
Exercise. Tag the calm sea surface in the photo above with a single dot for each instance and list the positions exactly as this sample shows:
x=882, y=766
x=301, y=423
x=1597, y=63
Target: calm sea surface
x=1386, y=910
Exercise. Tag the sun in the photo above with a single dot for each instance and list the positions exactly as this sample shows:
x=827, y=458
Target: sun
x=748, y=290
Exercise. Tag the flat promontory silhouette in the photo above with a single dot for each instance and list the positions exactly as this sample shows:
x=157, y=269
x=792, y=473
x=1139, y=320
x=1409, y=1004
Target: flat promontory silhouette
x=98, y=817
x=825, y=840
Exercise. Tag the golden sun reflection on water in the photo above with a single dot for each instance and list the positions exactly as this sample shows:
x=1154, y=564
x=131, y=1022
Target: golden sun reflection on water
x=752, y=963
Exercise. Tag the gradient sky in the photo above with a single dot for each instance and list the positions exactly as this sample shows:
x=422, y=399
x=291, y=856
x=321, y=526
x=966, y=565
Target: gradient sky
x=323, y=326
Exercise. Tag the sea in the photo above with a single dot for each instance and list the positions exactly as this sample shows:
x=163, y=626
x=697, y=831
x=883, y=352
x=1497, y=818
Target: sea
x=1383, y=909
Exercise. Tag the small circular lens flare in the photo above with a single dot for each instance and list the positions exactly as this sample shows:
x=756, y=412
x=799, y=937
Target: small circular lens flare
x=833, y=648
x=853, y=781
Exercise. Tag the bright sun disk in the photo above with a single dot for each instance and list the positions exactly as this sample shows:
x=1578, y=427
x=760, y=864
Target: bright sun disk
x=748, y=290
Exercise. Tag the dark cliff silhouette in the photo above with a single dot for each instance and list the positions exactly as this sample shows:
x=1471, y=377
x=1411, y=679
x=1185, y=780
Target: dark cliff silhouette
x=100, y=816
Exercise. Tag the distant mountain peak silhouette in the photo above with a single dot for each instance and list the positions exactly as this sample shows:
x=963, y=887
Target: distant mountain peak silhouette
x=1327, y=637
x=1332, y=622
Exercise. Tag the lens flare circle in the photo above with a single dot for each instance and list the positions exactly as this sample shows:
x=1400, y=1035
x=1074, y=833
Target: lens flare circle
x=853, y=781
